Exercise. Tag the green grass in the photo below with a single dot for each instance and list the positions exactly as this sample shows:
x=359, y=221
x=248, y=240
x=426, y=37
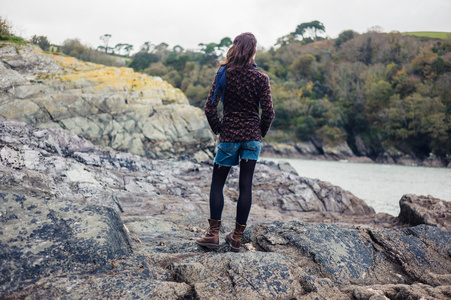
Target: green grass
x=14, y=39
x=430, y=34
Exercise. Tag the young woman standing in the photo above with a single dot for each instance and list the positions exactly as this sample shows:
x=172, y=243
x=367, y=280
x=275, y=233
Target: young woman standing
x=243, y=90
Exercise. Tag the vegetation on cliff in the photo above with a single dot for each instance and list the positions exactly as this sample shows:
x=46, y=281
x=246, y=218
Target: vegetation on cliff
x=379, y=92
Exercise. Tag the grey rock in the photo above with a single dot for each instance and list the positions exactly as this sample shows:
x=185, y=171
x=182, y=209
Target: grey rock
x=339, y=151
x=39, y=238
x=398, y=291
x=361, y=256
x=10, y=78
x=112, y=107
x=428, y=210
x=361, y=146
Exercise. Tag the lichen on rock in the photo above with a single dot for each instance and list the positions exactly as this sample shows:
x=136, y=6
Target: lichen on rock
x=114, y=107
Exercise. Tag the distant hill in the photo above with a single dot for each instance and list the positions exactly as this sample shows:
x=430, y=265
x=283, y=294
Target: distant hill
x=430, y=34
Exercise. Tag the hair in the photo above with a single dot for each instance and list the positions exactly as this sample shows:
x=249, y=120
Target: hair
x=242, y=51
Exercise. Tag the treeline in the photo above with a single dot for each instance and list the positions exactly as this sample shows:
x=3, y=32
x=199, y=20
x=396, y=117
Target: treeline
x=378, y=92
x=74, y=48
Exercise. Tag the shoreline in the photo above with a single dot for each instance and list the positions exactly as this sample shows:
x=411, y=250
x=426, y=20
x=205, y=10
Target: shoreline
x=342, y=152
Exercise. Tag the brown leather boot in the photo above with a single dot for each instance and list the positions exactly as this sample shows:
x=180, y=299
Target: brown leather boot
x=234, y=238
x=211, y=238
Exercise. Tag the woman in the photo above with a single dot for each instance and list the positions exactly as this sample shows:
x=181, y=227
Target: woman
x=243, y=90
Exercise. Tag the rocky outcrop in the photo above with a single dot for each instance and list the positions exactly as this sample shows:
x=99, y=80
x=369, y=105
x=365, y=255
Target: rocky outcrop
x=112, y=107
x=78, y=221
x=40, y=237
x=311, y=150
x=428, y=210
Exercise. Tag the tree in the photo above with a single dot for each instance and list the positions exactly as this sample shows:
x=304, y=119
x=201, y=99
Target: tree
x=209, y=49
x=41, y=41
x=146, y=46
x=301, y=66
x=310, y=29
x=378, y=97
x=142, y=60
x=224, y=44
x=418, y=125
x=73, y=47
x=344, y=37
x=128, y=48
x=118, y=48
x=5, y=27
x=161, y=51
x=177, y=62
x=177, y=49
x=285, y=40
x=305, y=127
x=106, y=38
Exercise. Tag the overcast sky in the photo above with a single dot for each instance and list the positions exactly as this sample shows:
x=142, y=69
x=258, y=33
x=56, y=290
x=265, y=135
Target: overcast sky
x=190, y=22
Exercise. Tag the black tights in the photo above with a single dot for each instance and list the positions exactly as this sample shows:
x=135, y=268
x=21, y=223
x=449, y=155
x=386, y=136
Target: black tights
x=243, y=207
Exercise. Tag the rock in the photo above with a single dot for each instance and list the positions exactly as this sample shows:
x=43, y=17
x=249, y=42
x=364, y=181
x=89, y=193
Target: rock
x=281, y=165
x=81, y=221
x=39, y=238
x=252, y=275
x=112, y=107
x=10, y=78
x=308, y=150
x=398, y=291
x=288, y=150
x=394, y=156
x=421, y=252
x=340, y=151
x=428, y=210
x=361, y=146
x=362, y=256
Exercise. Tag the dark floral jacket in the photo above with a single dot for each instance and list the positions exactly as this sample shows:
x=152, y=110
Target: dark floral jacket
x=247, y=90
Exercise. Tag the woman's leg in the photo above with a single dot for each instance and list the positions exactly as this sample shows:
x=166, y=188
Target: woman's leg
x=247, y=167
x=216, y=196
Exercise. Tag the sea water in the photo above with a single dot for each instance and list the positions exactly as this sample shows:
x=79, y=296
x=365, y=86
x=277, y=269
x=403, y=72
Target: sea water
x=381, y=186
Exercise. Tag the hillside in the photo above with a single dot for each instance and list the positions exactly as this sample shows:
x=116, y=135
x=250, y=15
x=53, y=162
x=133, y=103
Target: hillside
x=385, y=96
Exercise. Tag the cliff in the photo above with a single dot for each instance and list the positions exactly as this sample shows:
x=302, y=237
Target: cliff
x=112, y=107
x=79, y=221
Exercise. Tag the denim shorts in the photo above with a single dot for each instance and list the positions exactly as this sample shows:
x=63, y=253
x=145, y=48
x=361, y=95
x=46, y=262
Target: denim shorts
x=229, y=154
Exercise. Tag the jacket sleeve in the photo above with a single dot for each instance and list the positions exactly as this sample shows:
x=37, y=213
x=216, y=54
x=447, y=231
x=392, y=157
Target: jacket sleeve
x=211, y=109
x=268, y=113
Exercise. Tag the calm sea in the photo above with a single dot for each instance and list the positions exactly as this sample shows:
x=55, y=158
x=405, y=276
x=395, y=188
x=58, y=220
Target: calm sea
x=380, y=185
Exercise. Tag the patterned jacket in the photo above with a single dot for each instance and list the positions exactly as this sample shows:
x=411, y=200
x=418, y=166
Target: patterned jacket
x=247, y=89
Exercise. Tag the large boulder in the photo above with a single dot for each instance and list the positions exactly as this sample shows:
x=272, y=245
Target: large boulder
x=113, y=107
x=40, y=237
x=428, y=210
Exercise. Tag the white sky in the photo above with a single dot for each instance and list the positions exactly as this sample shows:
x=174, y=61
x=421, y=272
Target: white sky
x=190, y=22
